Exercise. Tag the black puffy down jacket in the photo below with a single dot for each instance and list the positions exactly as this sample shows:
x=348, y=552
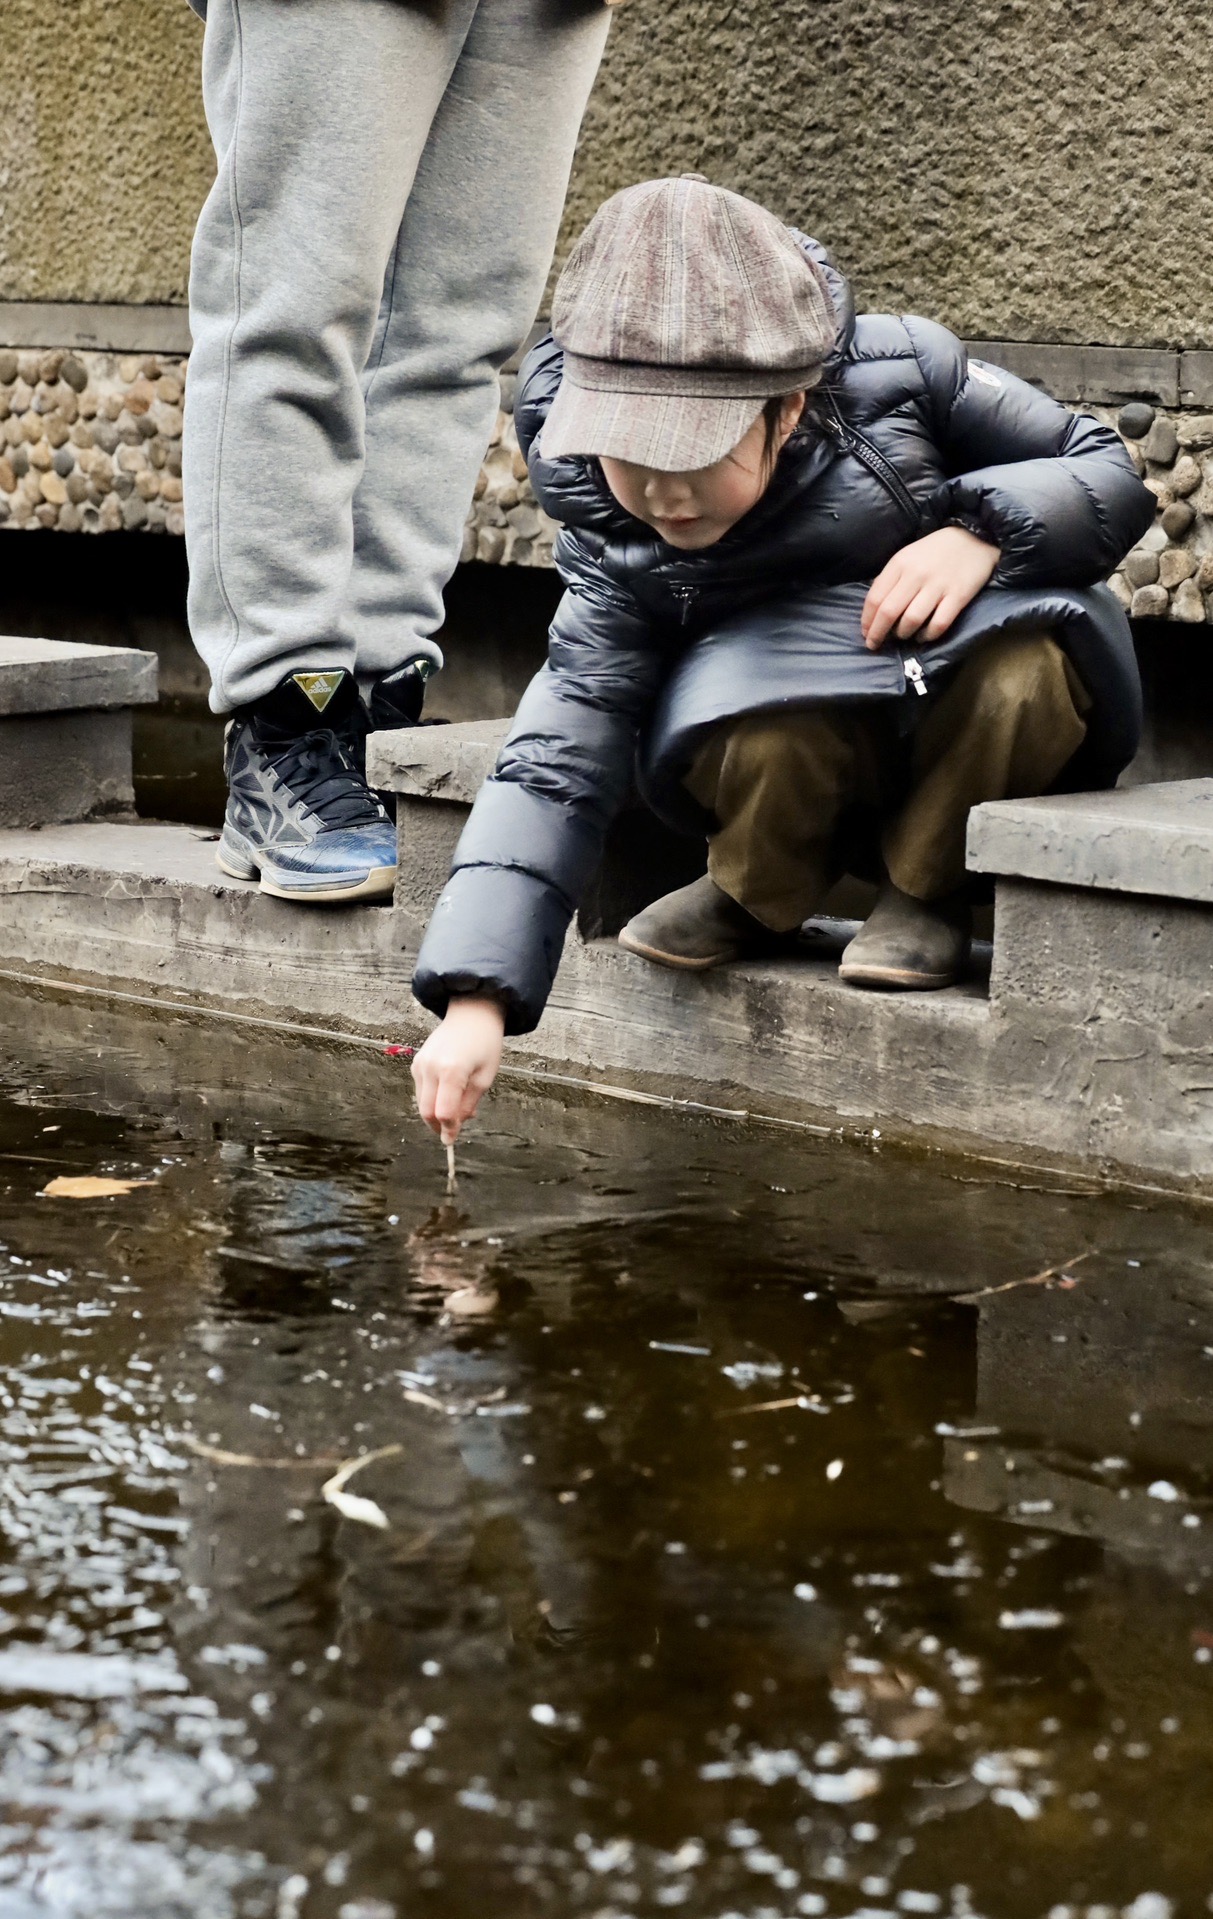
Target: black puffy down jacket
x=651, y=648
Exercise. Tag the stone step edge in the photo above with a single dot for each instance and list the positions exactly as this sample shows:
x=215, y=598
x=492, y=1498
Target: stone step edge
x=1154, y=840
x=58, y=676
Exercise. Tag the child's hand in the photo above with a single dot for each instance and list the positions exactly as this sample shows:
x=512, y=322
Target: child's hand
x=457, y=1065
x=927, y=585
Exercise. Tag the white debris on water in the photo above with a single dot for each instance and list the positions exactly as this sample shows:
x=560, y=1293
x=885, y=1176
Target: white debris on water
x=1016, y=1801
x=239, y=1658
x=842, y=1788
x=691, y=1853
x=1150, y=1905
x=80, y=1675
x=747, y=1372
x=291, y=1895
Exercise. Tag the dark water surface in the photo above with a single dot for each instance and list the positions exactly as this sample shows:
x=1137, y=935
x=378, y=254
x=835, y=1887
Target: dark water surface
x=935, y=1637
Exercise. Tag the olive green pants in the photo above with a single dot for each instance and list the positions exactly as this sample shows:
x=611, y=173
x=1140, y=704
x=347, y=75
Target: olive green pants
x=780, y=784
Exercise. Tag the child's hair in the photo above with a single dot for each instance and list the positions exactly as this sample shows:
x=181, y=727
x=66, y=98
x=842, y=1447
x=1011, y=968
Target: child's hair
x=772, y=413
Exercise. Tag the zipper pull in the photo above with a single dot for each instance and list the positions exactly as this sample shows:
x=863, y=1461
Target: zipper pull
x=916, y=676
x=686, y=597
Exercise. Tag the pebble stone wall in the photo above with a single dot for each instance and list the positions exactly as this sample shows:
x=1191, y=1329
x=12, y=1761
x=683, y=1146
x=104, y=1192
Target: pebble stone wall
x=1169, y=573
x=91, y=442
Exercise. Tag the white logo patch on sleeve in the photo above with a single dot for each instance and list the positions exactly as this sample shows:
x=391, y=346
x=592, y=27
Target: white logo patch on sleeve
x=983, y=375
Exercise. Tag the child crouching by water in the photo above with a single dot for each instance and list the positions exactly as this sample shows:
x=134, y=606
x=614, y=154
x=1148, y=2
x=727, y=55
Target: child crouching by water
x=829, y=583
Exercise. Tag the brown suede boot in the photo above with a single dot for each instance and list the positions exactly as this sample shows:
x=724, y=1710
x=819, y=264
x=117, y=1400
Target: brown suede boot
x=908, y=944
x=695, y=928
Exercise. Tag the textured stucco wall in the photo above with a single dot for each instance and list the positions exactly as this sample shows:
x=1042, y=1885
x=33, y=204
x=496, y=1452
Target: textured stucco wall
x=1023, y=169
x=104, y=158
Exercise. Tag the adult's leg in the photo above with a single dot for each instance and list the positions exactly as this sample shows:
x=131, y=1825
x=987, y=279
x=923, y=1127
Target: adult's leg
x=1004, y=728
x=320, y=111
x=466, y=276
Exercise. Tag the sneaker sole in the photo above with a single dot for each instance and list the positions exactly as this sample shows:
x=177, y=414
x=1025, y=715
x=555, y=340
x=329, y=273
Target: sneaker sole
x=679, y=961
x=379, y=883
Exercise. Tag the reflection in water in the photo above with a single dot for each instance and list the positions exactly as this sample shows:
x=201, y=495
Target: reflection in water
x=734, y=1562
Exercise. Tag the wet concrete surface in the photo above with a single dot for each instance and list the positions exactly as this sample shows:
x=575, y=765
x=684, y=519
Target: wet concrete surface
x=771, y=1525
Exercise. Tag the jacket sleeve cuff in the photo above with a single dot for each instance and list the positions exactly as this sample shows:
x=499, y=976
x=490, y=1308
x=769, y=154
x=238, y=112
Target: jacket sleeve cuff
x=497, y=933
x=1036, y=514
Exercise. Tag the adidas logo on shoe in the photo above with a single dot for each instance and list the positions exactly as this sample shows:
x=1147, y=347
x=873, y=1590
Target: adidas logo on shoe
x=319, y=688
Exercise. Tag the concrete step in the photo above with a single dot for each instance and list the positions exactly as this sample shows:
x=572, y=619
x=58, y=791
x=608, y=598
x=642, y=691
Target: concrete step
x=1142, y=839
x=1094, y=1046
x=65, y=728
x=144, y=906
x=1092, y=1049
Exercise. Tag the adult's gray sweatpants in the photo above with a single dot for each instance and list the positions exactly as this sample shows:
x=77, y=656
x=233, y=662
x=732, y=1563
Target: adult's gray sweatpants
x=391, y=179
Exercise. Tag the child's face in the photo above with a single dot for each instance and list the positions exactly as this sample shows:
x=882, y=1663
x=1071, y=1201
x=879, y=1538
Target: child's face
x=695, y=510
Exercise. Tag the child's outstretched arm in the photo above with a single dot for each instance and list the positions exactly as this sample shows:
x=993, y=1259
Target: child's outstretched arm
x=532, y=843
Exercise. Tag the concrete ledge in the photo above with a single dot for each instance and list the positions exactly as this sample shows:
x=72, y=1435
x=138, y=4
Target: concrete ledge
x=1089, y=1054
x=1146, y=839
x=1169, y=376
x=103, y=328
x=59, y=676
x=1106, y=375
x=446, y=763
x=146, y=904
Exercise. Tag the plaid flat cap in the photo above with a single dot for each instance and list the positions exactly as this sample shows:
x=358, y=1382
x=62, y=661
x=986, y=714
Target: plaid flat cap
x=682, y=310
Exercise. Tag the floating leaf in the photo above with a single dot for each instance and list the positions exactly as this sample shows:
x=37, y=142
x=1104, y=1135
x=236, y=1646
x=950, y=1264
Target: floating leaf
x=91, y=1186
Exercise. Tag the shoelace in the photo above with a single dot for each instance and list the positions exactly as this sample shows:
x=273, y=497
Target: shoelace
x=319, y=773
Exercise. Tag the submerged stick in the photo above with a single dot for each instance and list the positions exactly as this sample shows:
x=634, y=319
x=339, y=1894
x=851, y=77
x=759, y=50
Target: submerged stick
x=219, y=1457
x=802, y=1402
x=365, y=1511
x=1061, y=1276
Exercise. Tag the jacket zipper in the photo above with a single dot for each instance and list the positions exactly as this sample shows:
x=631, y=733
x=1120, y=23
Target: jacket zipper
x=915, y=675
x=686, y=597
x=869, y=455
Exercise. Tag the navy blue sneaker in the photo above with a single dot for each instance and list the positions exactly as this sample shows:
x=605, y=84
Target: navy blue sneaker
x=395, y=699
x=299, y=813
